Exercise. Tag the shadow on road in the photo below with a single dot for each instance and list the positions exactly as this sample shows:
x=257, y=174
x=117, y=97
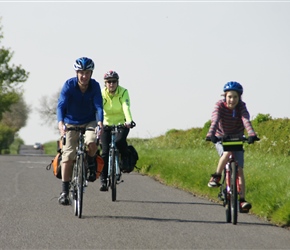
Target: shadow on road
x=172, y=220
x=171, y=202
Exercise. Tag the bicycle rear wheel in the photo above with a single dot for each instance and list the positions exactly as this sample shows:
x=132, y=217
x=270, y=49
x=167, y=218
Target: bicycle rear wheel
x=234, y=196
x=80, y=185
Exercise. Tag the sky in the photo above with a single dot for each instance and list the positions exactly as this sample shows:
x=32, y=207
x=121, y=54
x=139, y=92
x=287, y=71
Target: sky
x=174, y=57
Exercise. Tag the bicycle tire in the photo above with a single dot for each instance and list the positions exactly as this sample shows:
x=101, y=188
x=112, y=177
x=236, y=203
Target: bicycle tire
x=234, y=196
x=80, y=185
x=75, y=201
x=73, y=190
x=114, y=177
x=228, y=203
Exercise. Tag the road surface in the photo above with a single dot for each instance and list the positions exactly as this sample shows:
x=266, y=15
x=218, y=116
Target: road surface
x=146, y=215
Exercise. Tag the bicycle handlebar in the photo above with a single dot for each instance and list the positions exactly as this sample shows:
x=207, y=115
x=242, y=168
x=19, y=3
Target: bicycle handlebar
x=132, y=125
x=80, y=129
x=233, y=139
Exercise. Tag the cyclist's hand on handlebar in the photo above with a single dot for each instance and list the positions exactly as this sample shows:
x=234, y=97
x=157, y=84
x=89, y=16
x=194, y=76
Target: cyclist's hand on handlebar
x=252, y=139
x=214, y=139
x=131, y=124
x=99, y=131
x=127, y=124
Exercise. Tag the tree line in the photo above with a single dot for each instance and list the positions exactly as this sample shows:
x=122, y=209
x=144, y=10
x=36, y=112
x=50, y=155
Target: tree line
x=14, y=111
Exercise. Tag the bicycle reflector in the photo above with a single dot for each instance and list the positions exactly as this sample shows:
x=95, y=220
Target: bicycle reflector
x=232, y=145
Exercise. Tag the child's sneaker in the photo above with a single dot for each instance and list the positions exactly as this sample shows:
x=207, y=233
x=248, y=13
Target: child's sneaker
x=214, y=180
x=244, y=206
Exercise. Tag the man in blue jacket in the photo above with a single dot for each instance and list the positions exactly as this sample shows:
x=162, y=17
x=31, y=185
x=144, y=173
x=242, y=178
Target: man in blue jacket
x=80, y=104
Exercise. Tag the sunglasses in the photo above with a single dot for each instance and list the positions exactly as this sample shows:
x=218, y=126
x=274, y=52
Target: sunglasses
x=114, y=81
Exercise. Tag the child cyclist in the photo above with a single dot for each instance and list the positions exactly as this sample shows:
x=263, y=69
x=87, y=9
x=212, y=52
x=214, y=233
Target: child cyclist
x=230, y=118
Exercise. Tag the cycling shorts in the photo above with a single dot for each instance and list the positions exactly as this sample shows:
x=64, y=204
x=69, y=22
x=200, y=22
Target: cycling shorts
x=72, y=137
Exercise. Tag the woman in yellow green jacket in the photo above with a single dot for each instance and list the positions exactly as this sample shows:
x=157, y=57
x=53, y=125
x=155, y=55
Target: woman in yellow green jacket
x=116, y=105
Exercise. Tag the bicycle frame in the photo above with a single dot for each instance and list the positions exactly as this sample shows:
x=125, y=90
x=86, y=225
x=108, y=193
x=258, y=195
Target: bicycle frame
x=114, y=172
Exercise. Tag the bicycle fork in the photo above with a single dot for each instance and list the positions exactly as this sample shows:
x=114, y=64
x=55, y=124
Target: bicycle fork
x=228, y=177
x=118, y=171
x=225, y=190
x=115, y=163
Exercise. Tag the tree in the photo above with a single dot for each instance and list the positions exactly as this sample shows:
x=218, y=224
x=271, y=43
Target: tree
x=11, y=77
x=47, y=110
x=12, y=121
x=17, y=116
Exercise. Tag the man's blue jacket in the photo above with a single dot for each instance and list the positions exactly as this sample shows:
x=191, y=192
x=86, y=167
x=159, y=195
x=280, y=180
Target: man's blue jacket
x=75, y=107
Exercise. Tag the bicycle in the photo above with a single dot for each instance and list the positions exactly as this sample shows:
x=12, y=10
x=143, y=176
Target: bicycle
x=114, y=168
x=230, y=187
x=80, y=171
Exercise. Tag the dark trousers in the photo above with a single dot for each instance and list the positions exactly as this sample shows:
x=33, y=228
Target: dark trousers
x=121, y=144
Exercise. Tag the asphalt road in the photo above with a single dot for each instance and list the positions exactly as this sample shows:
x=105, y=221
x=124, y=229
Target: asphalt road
x=146, y=215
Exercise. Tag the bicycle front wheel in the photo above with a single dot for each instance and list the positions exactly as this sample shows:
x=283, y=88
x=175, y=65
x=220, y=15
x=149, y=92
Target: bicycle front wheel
x=113, y=176
x=80, y=185
x=227, y=197
x=234, y=196
x=73, y=191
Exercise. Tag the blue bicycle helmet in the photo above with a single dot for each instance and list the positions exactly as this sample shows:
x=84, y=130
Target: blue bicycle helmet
x=233, y=86
x=111, y=74
x=84, y=63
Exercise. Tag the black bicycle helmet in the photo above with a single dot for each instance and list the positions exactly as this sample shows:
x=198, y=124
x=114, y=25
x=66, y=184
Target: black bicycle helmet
x=84, y=63
x=233, y=86
x=111, y=74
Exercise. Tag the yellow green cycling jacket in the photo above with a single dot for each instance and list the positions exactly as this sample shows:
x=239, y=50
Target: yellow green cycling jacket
x=116, y=107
